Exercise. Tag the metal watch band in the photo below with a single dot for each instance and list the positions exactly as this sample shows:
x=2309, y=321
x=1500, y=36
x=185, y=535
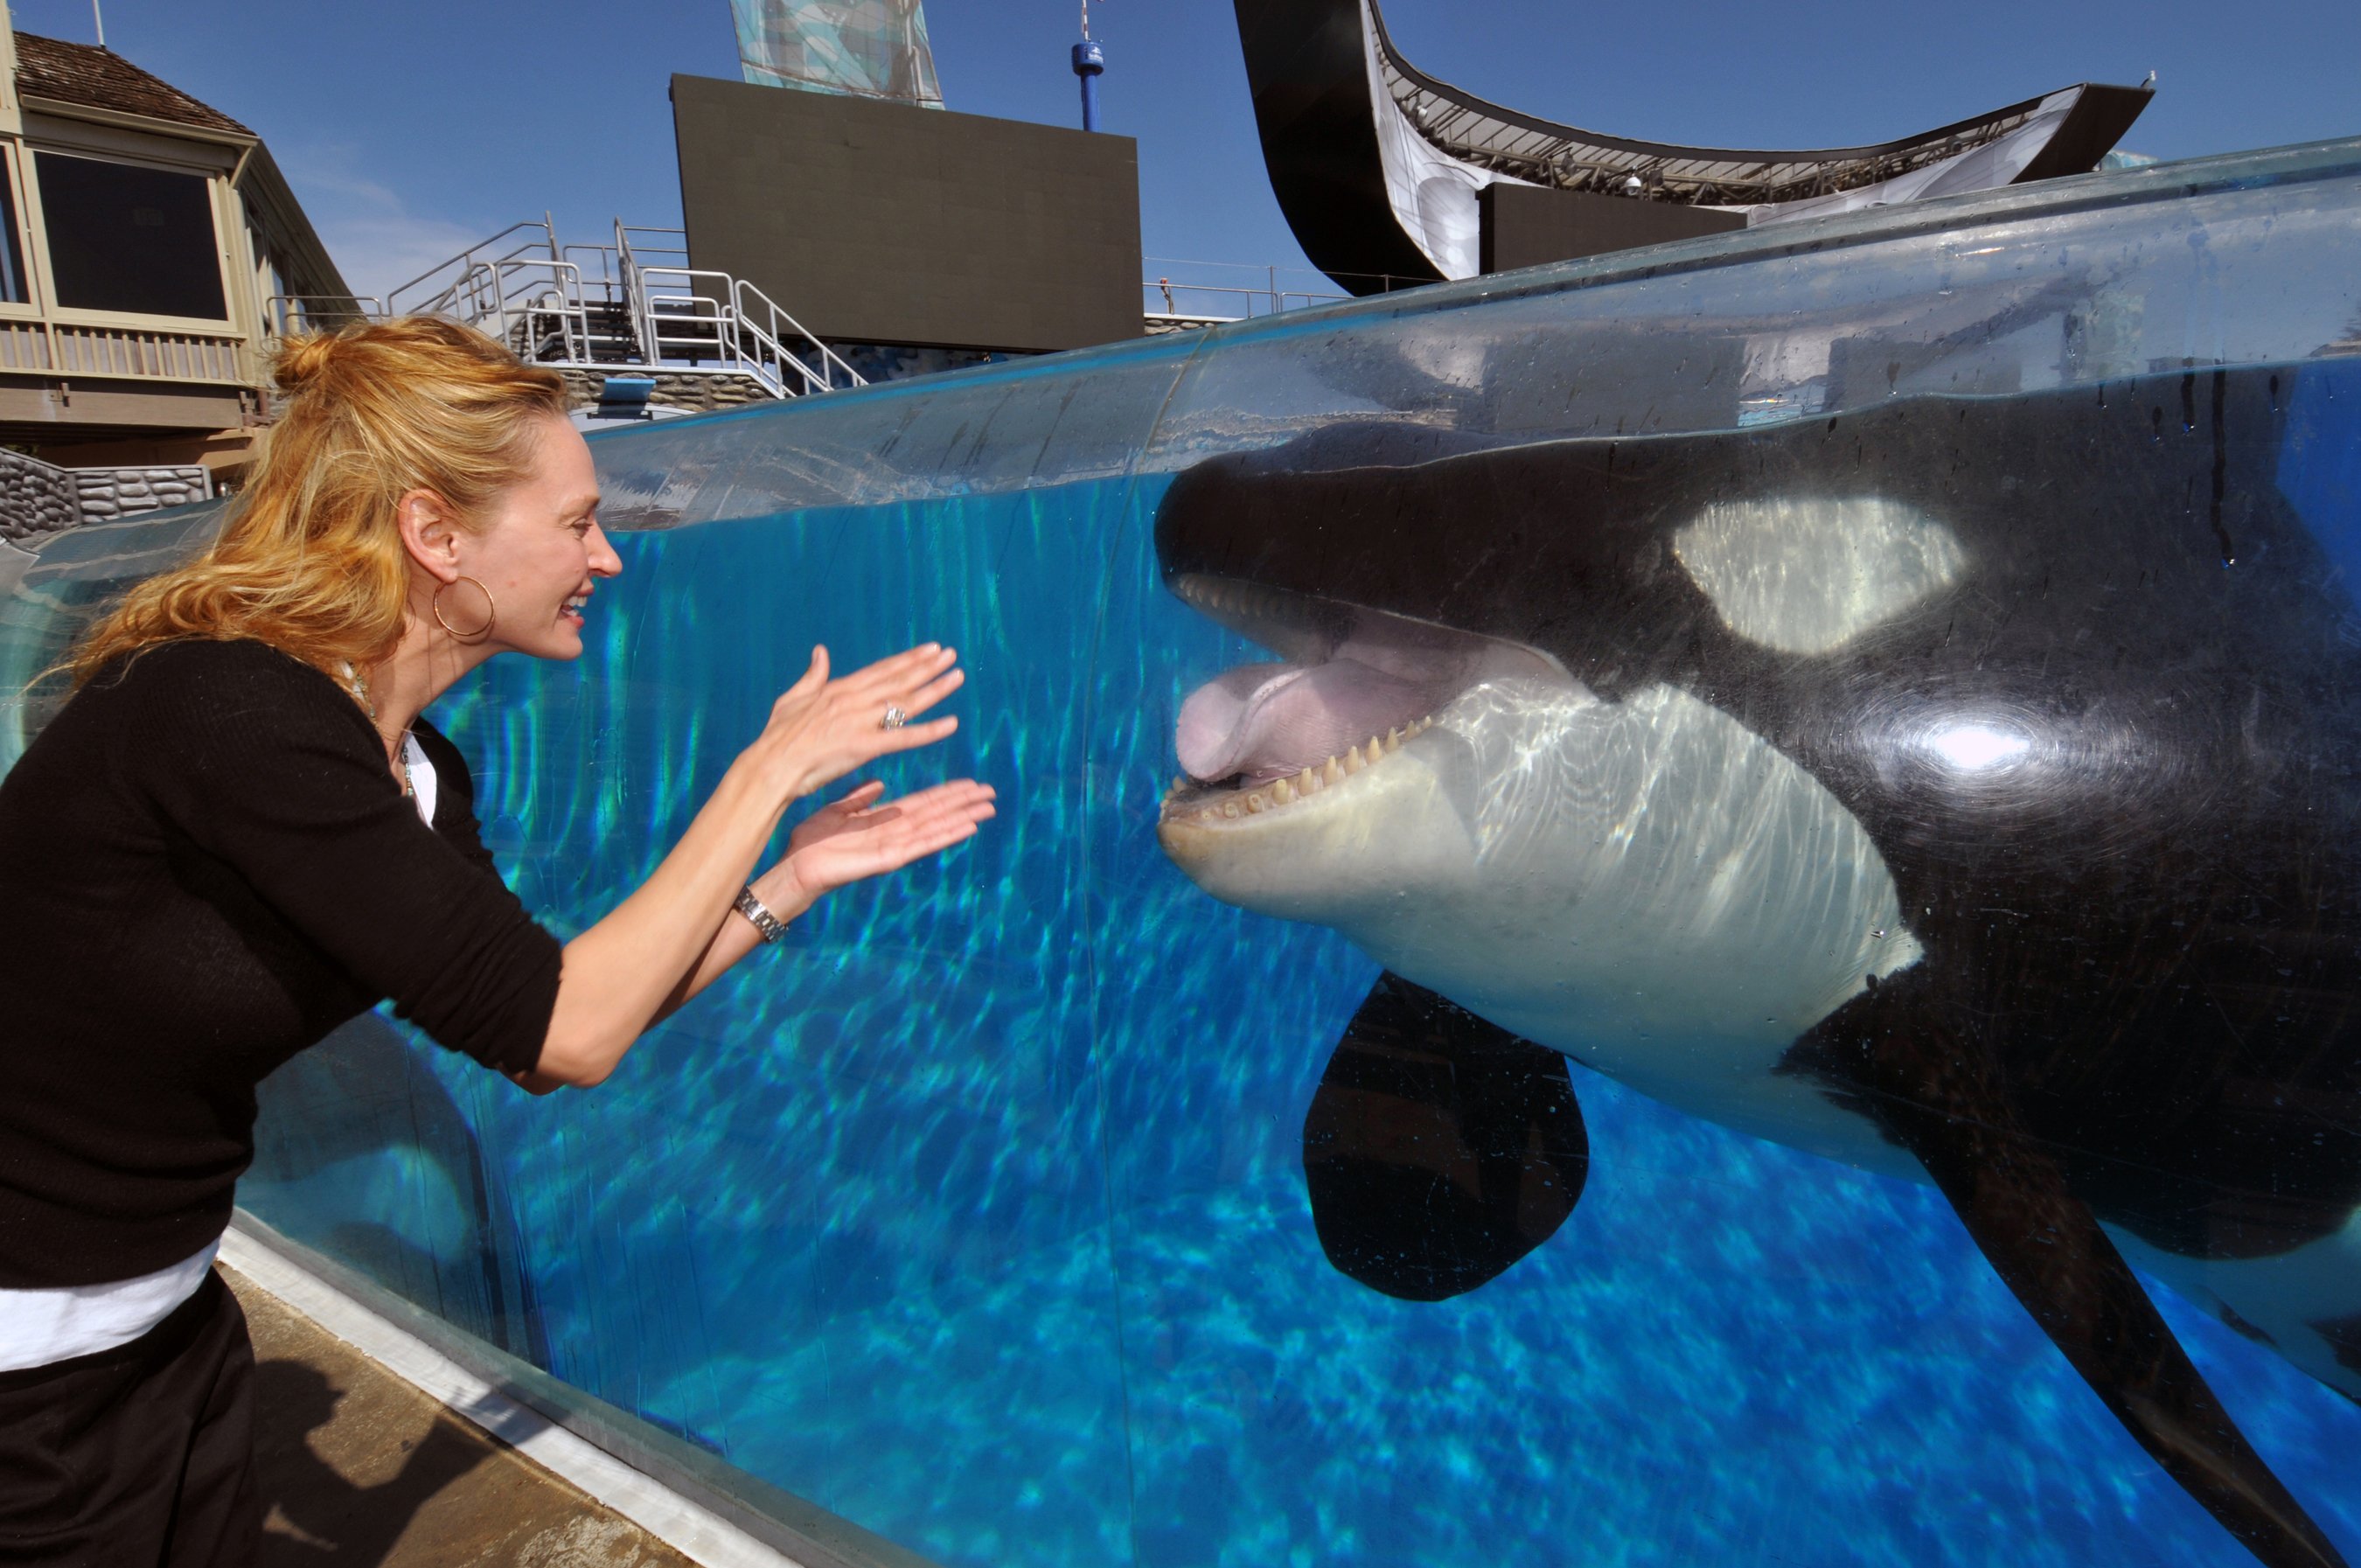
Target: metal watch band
x=764, y=921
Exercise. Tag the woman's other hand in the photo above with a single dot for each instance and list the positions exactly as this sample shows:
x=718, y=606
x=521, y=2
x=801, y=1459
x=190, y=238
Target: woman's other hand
x=821, y=730
x=667, y=941
x=859, y=836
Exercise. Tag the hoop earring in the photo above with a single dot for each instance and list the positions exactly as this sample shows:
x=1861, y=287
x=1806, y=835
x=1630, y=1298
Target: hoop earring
x=491, y=611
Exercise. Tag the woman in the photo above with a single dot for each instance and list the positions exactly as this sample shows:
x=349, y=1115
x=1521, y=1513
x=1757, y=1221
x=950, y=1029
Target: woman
x=240, y=832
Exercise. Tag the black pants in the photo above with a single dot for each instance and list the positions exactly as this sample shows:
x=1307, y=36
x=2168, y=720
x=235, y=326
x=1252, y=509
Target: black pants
x=141, y=1456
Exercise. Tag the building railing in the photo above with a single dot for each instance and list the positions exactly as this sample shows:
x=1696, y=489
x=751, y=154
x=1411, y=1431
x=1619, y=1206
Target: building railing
x=1218, y=302
x=459, y=277
x=286, y=314
x=632, y=304
x=636, y=303
x=127, y=353
x=727, y=319
x=1195, y=294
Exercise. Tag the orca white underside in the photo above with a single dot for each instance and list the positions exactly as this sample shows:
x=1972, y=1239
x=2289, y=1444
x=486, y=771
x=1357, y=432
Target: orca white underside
x=1645, y=886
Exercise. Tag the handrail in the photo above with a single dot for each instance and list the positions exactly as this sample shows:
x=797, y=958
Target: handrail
x=1273, y=300
x=718, y=327
x=547, y=291
x=523, y=286
x=279, y=309
x=655, y=310
x=735, y=322
x=466, y=259
x=830, y=360
x=1386, y=282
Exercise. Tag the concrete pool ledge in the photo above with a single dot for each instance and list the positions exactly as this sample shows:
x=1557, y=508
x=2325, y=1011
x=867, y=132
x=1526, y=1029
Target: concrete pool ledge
x=689, y=1501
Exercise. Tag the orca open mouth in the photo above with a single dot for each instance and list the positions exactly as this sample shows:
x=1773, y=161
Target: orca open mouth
x=1352, y=686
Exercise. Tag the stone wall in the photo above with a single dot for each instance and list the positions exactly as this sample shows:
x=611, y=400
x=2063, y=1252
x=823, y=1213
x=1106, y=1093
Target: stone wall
x=126, y=492
x=38, y=499
x=35, y=498
x=696, y=394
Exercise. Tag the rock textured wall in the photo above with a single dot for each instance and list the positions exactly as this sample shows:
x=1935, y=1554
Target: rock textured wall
x=37, y=499
x=123, y=492
x=696, y=394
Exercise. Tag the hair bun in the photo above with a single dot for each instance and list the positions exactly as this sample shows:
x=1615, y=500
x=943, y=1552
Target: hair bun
x=302, y=360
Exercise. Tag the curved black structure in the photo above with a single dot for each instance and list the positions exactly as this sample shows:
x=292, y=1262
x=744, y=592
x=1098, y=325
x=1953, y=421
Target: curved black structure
x=1380, y=167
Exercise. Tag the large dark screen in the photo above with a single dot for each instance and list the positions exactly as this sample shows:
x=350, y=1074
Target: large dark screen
x=127, y=238
x=881, y=222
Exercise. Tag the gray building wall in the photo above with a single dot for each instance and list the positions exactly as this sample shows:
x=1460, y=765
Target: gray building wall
x=1525, y=225
x=872, y=221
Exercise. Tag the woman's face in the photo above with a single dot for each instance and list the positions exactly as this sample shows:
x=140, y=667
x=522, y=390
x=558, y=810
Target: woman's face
x=542, y=553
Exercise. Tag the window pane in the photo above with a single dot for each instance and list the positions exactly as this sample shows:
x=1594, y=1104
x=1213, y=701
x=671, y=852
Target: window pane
x=126, y=238
x=12, y=260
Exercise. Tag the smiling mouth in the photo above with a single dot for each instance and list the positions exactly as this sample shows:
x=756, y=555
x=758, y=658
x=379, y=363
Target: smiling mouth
x=1351, y=687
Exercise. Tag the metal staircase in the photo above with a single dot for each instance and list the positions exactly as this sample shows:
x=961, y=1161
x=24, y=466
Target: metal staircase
x=634, y=304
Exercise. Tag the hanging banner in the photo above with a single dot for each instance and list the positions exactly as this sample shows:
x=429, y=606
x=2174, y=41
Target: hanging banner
x=870, y=48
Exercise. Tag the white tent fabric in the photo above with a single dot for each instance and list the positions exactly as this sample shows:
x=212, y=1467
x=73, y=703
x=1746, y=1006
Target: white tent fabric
x=1985, y=168
x=1432, y=193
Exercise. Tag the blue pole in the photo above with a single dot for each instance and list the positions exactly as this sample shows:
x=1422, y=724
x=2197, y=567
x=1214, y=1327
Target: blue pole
x=1090, y=63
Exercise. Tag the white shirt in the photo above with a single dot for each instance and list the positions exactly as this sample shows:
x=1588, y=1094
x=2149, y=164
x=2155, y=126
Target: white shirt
x=37, y=1327
x=423, y=782
x=40, y=1327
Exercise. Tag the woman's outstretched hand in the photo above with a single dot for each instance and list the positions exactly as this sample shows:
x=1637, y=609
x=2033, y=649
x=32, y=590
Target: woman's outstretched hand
x=669, y=941
x=858, y=837
x=821, y=730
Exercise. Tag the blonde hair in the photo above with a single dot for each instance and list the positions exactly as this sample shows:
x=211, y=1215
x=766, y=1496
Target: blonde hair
x=310, y=559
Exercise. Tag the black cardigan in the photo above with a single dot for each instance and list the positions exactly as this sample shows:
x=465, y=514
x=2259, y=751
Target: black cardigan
x=206, y=866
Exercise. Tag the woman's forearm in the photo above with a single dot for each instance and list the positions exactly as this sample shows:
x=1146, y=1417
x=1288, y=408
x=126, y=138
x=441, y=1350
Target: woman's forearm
x=735, y=937
x=665, y=941
x=622, y=973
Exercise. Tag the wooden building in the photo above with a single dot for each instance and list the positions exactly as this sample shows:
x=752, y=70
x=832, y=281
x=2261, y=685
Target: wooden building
x=143, y=238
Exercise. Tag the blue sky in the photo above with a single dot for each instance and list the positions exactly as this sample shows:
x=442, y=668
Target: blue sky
x=410, y=130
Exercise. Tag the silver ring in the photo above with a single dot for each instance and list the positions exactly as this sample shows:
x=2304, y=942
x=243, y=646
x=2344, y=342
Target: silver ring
x=895, y=719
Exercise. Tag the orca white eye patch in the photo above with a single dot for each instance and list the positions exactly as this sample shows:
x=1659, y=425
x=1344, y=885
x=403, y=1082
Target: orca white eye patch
x=1807, y=575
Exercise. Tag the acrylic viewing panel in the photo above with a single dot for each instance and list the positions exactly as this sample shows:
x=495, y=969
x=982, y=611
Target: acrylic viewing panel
x=1876, y=698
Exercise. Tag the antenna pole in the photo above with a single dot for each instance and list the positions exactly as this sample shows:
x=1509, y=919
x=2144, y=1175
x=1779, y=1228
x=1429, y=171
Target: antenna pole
x=1090, y=64
x=100, y=22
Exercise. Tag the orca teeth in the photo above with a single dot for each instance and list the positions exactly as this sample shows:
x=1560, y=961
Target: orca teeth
x=1279, y=793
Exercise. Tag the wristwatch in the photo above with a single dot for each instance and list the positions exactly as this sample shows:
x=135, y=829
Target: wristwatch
x=768, y=924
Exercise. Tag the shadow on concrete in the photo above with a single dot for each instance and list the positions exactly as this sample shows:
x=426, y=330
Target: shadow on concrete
x=318, y=1514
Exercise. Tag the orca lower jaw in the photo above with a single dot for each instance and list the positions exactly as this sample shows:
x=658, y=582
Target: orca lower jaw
x=1237, y=797
x=1353, y=687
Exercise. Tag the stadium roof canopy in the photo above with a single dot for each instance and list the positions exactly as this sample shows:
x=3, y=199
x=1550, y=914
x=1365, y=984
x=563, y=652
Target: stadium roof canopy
x=1376, y=164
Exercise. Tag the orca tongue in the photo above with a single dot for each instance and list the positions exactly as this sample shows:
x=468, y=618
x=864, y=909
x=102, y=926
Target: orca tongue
x=1269, y=721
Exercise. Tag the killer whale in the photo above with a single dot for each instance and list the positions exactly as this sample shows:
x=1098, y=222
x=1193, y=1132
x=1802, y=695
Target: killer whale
x=1961, y=787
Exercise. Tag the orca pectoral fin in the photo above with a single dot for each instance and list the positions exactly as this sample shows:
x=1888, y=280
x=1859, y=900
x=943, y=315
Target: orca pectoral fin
x=1942, y=1099
x=1439, y=1149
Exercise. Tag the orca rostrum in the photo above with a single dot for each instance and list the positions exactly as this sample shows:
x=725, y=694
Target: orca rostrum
x=1968, y=788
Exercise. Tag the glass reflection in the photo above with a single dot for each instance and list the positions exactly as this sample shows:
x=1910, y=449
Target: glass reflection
x=1974, y=748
